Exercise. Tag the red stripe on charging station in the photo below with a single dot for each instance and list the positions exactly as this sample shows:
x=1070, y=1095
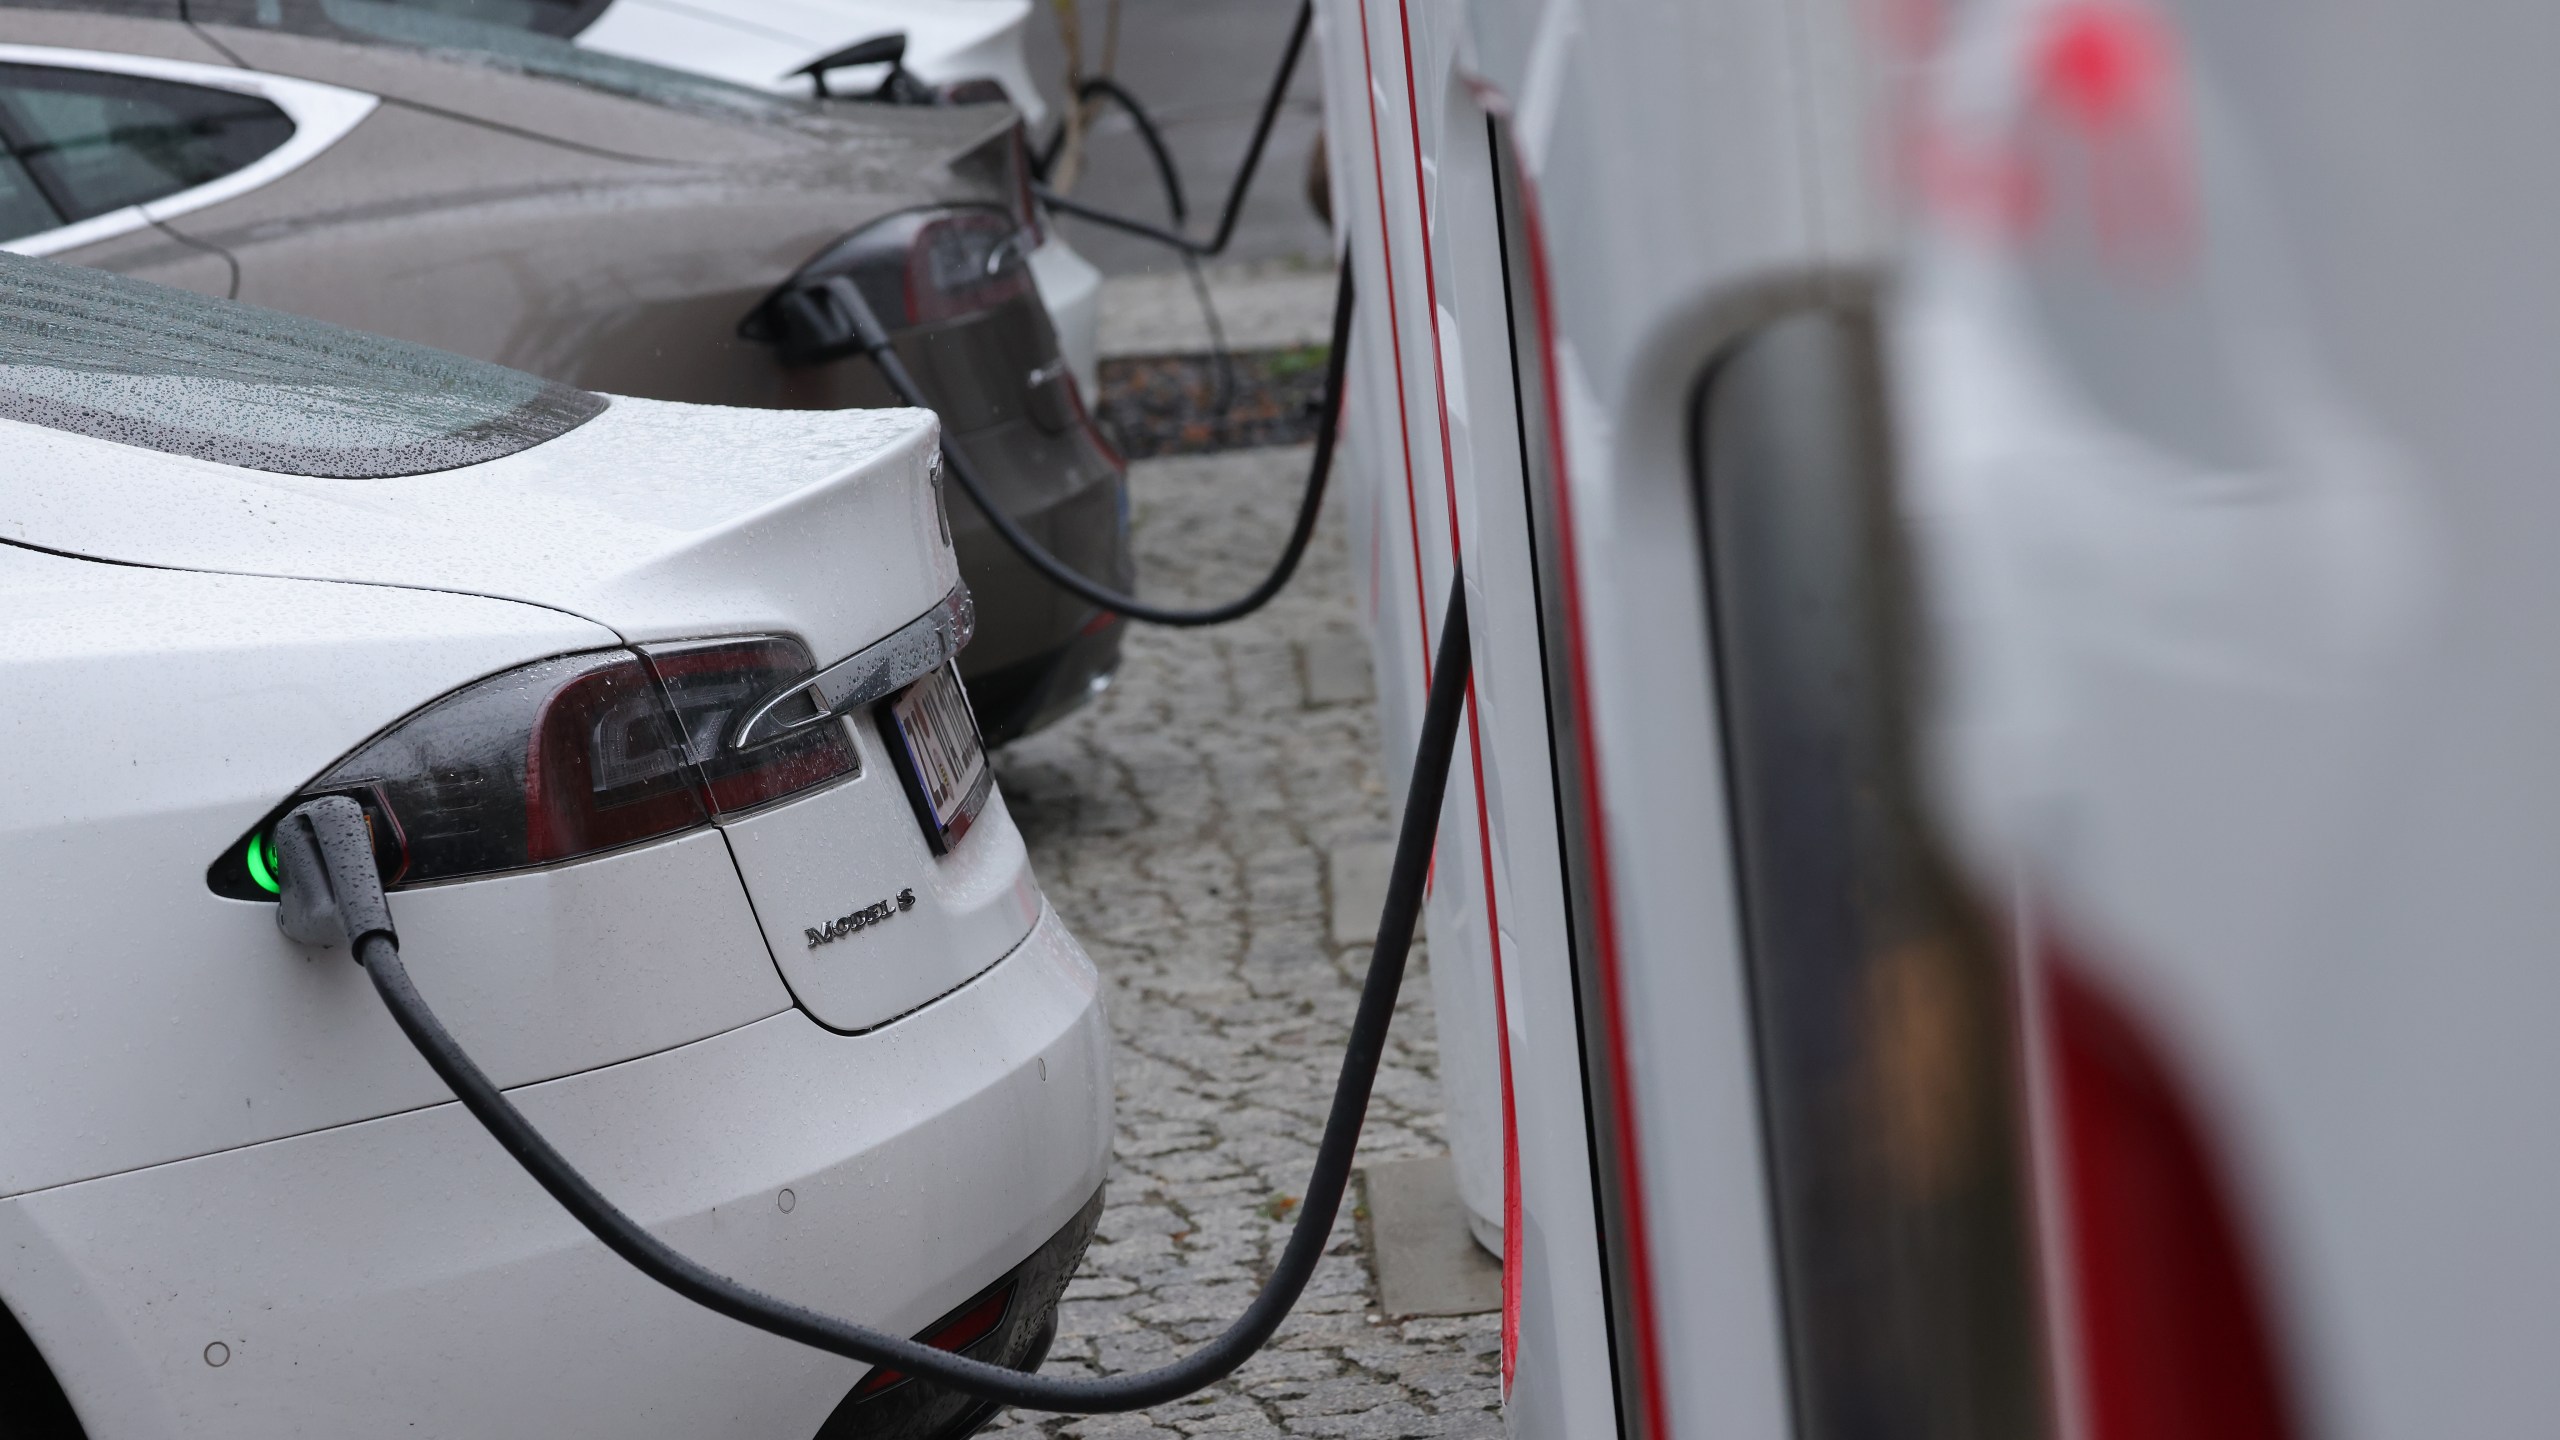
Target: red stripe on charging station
x=1475, y=734
x=1604, y=917
x=1395, y=345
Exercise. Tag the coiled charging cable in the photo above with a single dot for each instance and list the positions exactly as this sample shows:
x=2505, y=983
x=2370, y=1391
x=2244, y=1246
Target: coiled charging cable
x=332, y=894
x=872, y=337
x=1271, y=102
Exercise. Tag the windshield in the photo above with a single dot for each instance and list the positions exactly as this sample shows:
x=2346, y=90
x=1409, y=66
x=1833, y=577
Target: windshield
x=509, y=34
x=174, y=371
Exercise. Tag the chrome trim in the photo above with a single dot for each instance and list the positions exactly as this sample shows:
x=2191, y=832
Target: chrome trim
x=876, y=671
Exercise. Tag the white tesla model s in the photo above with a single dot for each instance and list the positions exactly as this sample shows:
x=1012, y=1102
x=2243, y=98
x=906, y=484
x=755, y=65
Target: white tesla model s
x=651, y=709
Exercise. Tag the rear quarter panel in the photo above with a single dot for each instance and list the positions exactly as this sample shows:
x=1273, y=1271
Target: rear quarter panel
x=622, y=275
x=147, y=719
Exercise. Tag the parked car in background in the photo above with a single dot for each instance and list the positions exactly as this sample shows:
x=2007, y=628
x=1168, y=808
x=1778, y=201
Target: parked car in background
x=603, y=223
x=770, y=44
x=249, y=559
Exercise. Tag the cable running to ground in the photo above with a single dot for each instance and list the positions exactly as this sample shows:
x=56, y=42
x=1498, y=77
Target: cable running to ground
x=874, y=337
x=331, y=875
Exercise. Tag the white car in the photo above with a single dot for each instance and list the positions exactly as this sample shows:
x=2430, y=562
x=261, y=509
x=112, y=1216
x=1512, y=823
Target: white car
x=799, y=1006
x=767, y=43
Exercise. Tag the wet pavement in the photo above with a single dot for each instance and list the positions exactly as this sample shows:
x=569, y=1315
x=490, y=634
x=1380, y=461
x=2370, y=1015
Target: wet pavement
x=1187, y=825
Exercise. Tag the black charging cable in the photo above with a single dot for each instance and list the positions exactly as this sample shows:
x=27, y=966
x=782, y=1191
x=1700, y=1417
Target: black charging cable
x=1104, y=87
x=1226, y=231
x=332, y=895
x=853, y=313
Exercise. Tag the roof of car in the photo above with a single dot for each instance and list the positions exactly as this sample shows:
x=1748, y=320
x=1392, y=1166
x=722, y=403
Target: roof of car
x=418, y=40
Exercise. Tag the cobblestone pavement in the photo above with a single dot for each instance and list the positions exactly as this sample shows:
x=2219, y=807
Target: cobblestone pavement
x=1181, y=824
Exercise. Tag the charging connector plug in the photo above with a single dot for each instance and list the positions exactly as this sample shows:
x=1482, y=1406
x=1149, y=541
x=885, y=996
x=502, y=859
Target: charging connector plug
x=330, y=890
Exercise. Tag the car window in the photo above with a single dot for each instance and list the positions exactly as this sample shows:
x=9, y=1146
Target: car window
x=23, y=208
x=544, y=17
x=186, y=374
x=93, y=141
x=476, y=30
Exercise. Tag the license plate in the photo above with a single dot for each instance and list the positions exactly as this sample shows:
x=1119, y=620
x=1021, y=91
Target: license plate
x=933, y=740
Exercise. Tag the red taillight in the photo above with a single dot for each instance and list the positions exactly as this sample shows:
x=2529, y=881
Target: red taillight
x=603, y=767
x=570, y=757
x=2174, y=1341
x=975, y=1322
x=712, y=687
x=913, y=269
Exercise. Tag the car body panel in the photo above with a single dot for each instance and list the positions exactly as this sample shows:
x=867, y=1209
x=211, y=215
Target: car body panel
x=163, y=258
x=761, y=42
x=213, y=720
x=392, y=1278
x=1071, y=289
x=661, y=521
x=859, y=845
x=493, y=94
x=122, y=28
x=605, y=274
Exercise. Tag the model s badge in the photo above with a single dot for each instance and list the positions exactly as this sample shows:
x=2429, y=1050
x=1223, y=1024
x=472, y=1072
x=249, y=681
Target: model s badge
x=862, y=919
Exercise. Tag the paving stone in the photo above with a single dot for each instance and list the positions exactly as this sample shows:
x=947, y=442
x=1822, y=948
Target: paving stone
x=1358, y=878
x=1338, y=669
x=1427, y=1262
x=1264, y=305
x=1188, y=826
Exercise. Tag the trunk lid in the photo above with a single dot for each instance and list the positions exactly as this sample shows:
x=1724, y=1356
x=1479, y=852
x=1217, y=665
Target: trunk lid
x=659, y=520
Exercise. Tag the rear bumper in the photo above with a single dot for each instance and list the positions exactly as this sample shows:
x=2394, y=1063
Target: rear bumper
x=402, y=1276
x=1074, y=502
x=1013, y=700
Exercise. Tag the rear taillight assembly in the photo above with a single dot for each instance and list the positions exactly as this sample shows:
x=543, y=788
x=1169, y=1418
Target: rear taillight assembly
x=923, y=267
x=571, y=757
x=715, y=689
x=966, y=261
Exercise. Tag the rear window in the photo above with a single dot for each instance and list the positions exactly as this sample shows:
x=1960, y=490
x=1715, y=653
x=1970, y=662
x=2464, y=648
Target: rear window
x=174, y=371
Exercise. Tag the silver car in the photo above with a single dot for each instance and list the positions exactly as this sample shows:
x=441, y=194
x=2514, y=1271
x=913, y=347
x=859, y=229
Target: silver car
x=612, y=225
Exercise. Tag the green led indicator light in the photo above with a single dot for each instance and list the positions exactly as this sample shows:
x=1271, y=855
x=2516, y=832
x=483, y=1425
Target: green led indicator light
x=261, y=856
